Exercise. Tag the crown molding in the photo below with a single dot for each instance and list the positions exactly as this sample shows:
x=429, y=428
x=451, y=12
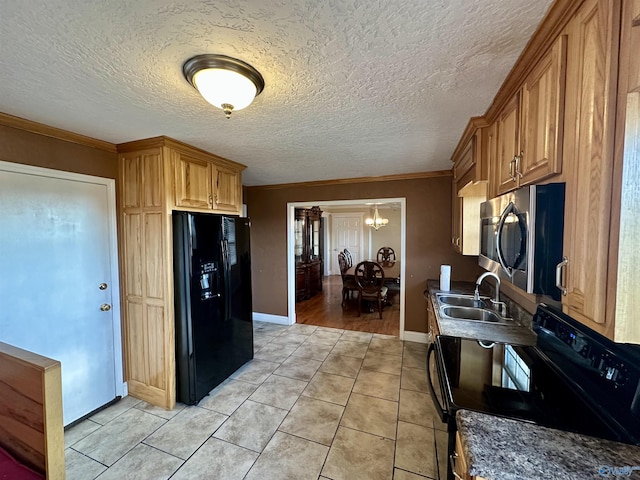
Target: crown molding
x=53, y=132
x=344, y=181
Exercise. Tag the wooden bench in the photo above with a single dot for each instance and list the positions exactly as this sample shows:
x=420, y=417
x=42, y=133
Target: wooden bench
x=31, y=425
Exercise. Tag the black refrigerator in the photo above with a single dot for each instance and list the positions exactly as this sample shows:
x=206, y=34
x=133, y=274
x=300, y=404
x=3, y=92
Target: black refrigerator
x=213, y=310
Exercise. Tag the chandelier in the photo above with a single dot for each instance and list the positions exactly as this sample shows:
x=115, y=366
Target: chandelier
x=376, y=221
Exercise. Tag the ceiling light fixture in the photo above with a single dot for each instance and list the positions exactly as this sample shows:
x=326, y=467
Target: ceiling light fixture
x=377, y=221
x=224, y=82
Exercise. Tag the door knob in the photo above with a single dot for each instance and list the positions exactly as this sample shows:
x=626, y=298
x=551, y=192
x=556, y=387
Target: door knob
x=105, y=307
x=102, y=286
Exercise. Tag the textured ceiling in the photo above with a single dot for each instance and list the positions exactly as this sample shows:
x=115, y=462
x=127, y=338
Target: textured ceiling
x=353, y=88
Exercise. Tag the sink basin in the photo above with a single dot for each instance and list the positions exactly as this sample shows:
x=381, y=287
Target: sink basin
x=457, y=300
x=472, y=313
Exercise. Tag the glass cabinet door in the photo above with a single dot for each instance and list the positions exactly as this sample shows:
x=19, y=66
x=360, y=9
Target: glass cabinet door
x=315, y=240
x=299, y=236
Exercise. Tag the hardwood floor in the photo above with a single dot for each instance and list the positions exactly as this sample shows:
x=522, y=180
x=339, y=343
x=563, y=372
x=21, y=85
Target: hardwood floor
x=324, y=309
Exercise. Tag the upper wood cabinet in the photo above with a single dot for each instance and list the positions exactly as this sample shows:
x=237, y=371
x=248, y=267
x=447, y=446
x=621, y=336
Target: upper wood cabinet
x=192, y=181
x=593, y=36
x=469, y=164
x=570, y=107
x=201, y=182
x=507, y=131
x=156, y=176
x=456, y=218
x=626, y=264
x=469, y=187
x=543, y=100
x=529, y=127
x=227, y=189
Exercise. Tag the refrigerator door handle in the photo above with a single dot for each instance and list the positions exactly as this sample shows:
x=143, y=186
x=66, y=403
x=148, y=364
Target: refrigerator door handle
x=226, y=279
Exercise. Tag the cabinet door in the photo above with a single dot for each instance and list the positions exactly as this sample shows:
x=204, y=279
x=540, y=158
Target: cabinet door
x=543, y=116
x=590, y=110
x=432, y=323
x=459, y=463
x=465, y=164
x=508, y=146
x=456, y=218
x=147, y=302
x=192, y=182
x=227, y=190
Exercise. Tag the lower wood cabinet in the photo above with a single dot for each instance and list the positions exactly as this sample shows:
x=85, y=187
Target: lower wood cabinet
x=432, y=322
x=459, y=464
x=156, y=176
x=308, y=280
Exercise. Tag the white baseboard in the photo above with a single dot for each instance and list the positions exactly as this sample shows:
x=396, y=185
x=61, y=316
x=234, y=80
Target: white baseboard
x=417, y=337
x=266, y=317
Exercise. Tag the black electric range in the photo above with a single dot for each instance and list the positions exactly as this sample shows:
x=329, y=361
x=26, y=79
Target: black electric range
x=573, y=379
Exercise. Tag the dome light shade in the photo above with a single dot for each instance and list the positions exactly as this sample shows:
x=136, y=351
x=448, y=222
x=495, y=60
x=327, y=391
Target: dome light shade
x=224, y=82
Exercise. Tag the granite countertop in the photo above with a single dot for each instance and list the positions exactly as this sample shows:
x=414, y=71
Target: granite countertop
x=501, y=448
x=514, y=333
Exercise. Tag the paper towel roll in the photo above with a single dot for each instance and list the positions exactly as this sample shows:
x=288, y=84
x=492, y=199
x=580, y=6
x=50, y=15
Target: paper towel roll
x=445, y=277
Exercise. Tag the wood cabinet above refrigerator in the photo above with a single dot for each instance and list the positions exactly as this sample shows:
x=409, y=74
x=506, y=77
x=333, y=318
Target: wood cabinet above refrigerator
x=156, y=176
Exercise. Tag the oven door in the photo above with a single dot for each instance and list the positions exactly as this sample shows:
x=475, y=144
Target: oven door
x=436, y=381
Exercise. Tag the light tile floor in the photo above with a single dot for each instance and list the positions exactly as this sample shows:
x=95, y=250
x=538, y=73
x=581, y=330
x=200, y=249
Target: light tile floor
x=315, y=403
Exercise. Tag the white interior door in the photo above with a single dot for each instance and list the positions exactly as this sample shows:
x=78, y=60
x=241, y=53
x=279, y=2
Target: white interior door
x=347, y=233
x=58, y=279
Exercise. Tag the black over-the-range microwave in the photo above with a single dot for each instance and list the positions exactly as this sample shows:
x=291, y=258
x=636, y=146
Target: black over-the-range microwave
x=521, y=237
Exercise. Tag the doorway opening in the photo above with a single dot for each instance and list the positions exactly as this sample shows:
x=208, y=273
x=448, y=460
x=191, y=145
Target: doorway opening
x=342, y=208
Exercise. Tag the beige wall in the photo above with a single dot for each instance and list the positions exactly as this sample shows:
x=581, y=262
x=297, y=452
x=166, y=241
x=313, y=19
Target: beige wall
x=428, y=237
x=20, y=146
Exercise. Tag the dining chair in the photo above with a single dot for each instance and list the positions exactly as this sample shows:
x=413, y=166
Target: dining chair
x=370, y=280
x=348, y=281
x=386, y=256
x=347, y=254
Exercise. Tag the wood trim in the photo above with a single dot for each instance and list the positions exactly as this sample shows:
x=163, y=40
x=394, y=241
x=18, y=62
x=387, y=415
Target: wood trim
x=555, y=20
x=31, y=410
x=163, y=141
x=53, y=132
x=344, y=181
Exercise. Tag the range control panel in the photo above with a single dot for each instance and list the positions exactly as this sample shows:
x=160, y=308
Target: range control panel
x=584, y=350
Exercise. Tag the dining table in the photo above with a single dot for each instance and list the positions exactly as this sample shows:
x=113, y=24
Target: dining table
x=391, y=277
x=391, y=270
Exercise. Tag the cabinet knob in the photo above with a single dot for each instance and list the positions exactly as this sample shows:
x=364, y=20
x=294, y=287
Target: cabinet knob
x=105, y=307
x=210, y=200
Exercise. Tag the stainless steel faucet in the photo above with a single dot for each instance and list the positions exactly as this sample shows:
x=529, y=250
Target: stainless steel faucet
x=496, y=299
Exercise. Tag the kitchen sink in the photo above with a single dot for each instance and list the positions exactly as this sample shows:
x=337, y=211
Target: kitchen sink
x=458, y=300
x=472, y=313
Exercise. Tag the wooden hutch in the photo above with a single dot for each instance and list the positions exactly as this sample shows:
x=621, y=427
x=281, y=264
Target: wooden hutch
x=308, y=252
